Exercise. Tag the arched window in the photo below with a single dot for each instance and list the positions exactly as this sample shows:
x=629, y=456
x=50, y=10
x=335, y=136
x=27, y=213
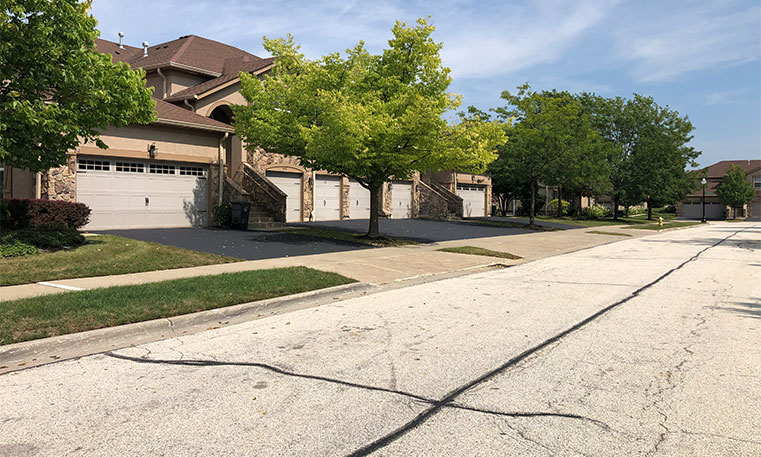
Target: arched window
x=222, y=113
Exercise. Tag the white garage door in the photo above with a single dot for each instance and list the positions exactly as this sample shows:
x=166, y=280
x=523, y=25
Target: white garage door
x=359, y=201
x=401, y=199
x=124, y=193
x=327, y=198
x=290, y=184
x=695, y=211
x=473, y=200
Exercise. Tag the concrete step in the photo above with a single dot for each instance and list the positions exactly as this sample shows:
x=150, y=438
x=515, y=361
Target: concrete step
x=260, y=219
x=264, y=225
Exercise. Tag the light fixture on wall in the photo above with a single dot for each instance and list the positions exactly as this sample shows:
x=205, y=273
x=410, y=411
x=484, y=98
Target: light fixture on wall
x=152, y=150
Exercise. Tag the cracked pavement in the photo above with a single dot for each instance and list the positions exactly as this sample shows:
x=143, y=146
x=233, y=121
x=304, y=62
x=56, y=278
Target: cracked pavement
x=647, y=346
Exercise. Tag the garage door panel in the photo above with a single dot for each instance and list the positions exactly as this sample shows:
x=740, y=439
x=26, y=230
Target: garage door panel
x=290, y=184
x=327, y=198
x=401, y=199
x=359, y=201
x=473, y=200
x=118, y=199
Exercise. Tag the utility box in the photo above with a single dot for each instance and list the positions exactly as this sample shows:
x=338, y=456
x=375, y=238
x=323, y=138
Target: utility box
x=239, y=215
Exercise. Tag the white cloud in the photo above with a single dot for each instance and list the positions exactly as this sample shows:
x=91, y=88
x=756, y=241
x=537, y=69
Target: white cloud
x=663, y=45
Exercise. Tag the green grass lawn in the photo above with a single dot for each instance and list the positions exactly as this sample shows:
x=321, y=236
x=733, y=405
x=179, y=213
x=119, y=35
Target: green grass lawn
x=507, y=224
x=70, y=312
x=474, y=250
x=102, y=255
x=351, y=237
x=666, y=225
x=600, y=232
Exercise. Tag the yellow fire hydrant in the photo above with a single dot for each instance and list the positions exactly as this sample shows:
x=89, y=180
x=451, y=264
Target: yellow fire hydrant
x=660, y=221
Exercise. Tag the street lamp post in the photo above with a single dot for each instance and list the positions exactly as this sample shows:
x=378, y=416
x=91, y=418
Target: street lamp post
x=703, y=182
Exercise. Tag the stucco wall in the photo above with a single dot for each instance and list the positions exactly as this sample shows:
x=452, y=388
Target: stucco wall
x=228, y=95
x=177, y=81
x=172, y=143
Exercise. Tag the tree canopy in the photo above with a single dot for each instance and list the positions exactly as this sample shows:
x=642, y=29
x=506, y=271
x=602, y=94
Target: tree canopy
x=552, y=141
x=55, y=88
x=369, y=117
x=735, y=190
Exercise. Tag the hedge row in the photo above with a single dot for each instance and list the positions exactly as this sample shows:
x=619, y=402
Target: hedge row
x=18, y=214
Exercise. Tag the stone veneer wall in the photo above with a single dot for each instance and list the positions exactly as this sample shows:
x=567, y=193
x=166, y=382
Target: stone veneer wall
x=345, y=203
x=261, y=160
x=61, y=183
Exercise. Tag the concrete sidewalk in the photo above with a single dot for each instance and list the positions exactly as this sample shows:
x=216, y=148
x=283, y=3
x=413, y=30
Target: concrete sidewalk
x=373, y=266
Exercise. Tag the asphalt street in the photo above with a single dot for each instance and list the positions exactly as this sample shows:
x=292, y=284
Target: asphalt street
x=646, y=346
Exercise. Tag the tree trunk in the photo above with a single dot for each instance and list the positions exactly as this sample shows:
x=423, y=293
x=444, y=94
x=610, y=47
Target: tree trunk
x=649, y=211
x=533, y=202
x=375, y=199
x=560, y=202
x=615, y=208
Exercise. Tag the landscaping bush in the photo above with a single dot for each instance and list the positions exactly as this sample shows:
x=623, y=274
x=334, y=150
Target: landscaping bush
x=16, y=248
x=38, y=213
x=669, y=209
x=223, y=215
x=594, y=212
x=638, y=209
x=552, y=207
x=49, y=237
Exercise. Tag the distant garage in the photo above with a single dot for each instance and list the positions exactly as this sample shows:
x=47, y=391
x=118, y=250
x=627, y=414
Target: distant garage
x=401, y=199
x=128, y=193
x=473, y=200
x=359, y=201
x=327, y=198
x=290, y=184
x=714, y=210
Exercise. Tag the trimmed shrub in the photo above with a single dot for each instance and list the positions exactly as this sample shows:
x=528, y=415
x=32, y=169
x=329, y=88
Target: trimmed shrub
x=594, y=212
x=552, y=207
x=40, y=213
x=16, y=248
x=50, y=237
x=223, y=215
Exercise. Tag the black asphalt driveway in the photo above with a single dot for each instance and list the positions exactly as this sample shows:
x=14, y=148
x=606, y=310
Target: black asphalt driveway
x=255, y=245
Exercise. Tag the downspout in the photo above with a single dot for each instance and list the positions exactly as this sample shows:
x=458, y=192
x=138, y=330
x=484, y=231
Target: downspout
x=314, y=196
x=221, y=167
x=193, y=106
x=163, y=93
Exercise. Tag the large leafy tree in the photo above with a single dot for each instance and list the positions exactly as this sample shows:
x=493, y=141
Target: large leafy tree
x=647, y=149
x=735, y=190
x=552, y=141
x=370, y=117
x=55, y=88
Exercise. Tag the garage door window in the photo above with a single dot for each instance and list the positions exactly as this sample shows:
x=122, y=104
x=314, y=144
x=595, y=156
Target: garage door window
x=161, y=169
x=129, y=167
x=192, y=171
x=94, y=165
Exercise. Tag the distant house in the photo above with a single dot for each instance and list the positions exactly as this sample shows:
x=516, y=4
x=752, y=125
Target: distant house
x=692, y=206
x=172, y=172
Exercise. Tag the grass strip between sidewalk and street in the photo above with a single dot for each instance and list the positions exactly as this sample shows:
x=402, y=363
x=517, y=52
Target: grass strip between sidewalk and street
x=350, y=237
x=102, y=255
x=474, y=250
x=71, y=312
x=666, y=225
x=600, y=232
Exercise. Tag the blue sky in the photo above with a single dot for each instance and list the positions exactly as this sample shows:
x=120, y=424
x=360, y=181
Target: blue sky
x=701, y=58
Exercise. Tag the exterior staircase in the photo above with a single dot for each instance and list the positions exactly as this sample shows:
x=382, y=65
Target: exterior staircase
x=259, y=218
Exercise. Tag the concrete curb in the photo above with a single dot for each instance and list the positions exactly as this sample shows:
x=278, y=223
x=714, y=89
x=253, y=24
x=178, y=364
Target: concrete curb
x=28, y=354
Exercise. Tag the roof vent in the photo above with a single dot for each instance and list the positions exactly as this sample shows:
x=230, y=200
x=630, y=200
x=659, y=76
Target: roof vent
x=145, y=49
x=121, y=39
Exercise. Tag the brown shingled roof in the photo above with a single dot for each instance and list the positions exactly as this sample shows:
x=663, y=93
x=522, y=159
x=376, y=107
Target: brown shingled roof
x=118, y=55
x=170, y=114
x=206, y=86
x=717, y=171
x=191, y=51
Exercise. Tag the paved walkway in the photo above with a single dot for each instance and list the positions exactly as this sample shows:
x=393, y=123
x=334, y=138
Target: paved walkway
x=373, y=266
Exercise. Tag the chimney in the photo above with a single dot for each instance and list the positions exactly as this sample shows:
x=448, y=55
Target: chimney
x=121, y=39
x=145, y=49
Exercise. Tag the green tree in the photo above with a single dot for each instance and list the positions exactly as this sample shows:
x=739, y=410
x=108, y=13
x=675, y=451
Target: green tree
x=552, y=141
x=735, y=190
x=370, y=117
x=55, y=88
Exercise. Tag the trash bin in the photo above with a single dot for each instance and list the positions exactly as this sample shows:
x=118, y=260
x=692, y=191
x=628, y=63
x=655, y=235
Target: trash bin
x=239, y=215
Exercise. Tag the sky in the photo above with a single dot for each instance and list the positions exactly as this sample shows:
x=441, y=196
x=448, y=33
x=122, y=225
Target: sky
x=700, y=58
